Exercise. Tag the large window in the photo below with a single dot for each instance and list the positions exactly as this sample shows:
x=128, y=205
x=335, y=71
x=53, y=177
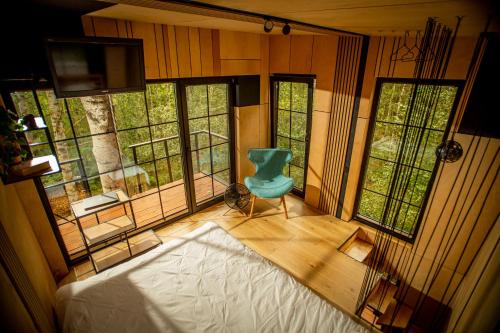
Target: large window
x=291, y=117
x=399, y=144
x=129, y=141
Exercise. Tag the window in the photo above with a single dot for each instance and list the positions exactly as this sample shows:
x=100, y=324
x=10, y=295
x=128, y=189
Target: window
x=128, y=140
x=392, y=127
x=291, y=117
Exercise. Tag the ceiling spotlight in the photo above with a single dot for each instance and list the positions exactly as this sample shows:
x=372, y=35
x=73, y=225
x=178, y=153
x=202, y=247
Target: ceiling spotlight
x=268, y=25
x=286, y=29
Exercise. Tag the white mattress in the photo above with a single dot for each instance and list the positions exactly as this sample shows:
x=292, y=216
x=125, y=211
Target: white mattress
x=206, y=281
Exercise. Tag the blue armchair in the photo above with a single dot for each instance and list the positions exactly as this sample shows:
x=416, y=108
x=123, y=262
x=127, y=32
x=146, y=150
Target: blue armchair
x=269, y=181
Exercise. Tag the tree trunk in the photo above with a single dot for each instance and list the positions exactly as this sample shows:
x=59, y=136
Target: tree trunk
x=22, y=103
x=56, y=119
x=104, y=147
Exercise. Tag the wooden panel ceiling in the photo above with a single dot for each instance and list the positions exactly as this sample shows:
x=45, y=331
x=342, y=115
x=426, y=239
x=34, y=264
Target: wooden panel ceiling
x=180, y=15
x=374, y=17
x=370, y=17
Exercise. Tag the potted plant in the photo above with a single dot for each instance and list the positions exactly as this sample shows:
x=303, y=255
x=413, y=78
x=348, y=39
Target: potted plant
x=10, y=141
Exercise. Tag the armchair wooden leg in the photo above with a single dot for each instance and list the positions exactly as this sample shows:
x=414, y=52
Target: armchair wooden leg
x=284, y=206
x=251, y=208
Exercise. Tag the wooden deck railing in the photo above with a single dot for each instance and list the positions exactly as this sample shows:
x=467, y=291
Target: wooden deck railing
x=167, y=153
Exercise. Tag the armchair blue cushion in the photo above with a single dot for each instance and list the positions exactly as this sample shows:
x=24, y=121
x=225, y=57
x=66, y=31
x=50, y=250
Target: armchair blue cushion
x=269, y=181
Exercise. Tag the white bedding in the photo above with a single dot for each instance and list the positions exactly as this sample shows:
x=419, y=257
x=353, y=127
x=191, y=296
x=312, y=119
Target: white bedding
x=206, y=281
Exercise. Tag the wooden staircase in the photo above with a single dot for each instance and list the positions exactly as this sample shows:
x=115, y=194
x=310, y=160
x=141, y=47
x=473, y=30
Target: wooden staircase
x=385, y=311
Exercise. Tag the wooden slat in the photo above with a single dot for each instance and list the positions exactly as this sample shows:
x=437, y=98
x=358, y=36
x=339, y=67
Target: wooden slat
x=195, y=52
x=240, y=67
x=264, y=69
x=172, y=51
x=105, y=27
x=207, y=60
x=183, y=54
x=279, y=54
x=88, y=25
x=301, y=54
x=239, y=45
x=216, y=51
x=323, y=61
x=317, y=147
x=346, y=69
x=160, y=49
x=129, y=29
x=121, y=25
x=369, y=77
x=146, y=32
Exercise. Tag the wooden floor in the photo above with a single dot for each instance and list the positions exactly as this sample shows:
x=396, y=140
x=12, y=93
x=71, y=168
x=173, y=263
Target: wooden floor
x=149, y=206
x=306, y=245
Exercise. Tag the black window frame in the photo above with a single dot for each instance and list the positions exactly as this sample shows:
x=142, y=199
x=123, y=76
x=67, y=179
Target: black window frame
x=369, y=140
x=309, y=79
x=6, y=88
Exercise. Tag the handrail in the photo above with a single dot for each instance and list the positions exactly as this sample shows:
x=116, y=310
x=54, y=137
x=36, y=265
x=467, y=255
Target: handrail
x=140, y=144
x=167, y=154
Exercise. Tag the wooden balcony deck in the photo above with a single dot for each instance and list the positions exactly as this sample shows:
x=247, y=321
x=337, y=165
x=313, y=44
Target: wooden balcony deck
x=150, y=206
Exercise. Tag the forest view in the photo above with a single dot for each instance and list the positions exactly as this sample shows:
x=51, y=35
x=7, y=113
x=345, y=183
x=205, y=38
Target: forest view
x=292, y=126
x=390, y=122
x=129, y=141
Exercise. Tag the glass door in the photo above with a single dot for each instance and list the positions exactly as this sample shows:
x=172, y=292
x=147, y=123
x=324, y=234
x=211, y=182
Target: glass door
x=291, y=103
x=208, y=121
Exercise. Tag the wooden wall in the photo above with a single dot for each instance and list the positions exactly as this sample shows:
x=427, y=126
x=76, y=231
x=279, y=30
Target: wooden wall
x=345, y=83
x=458, y=178
x=16, y=223
x=310, y=55
x=378, y=65
x=183, y=52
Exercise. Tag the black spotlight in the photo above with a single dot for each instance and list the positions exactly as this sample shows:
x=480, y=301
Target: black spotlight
x=449, y=151
x=268, y=25
x=286, y=29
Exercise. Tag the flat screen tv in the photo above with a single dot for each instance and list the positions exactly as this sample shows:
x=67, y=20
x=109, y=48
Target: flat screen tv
x=93, y=66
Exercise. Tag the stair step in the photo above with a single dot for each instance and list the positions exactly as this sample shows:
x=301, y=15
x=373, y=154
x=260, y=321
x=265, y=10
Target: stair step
x=374, y=300
x=357, y=247
x=399, y=320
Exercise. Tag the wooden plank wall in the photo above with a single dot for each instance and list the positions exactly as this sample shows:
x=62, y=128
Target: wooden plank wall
x=436, y=226
x=344, y=91
x=310, y=55
x=183, y=52
x=378, y=65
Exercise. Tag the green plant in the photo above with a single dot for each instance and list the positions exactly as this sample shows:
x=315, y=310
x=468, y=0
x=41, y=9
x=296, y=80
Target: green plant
x=10, y=142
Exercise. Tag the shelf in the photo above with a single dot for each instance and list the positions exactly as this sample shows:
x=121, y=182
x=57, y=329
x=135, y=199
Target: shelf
x=119, y=252
x=143, y=242
x=107, y=229
x=40, y=125
x=79, y=207
x=110, y=256
x=54, y=167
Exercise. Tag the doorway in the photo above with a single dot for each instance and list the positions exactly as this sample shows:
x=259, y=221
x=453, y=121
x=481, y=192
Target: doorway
x=207, y=115
x=291, y=105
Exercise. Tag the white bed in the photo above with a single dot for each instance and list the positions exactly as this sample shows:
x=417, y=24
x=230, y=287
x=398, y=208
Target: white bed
x=206, y=281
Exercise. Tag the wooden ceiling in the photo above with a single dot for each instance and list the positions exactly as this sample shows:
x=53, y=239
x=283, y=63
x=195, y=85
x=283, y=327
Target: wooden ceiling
x=373, y=17
x=370, y=17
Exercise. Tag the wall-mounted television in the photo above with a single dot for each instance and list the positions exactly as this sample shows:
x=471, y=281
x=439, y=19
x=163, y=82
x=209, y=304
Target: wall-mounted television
x=95, y=65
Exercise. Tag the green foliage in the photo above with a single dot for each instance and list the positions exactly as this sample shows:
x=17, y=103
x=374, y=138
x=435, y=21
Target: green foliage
x=292, y=126
x=393, y=105
x=154, y=139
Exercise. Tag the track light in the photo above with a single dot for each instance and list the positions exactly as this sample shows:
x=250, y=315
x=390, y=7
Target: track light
x=286, y=29
x=268, y=25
